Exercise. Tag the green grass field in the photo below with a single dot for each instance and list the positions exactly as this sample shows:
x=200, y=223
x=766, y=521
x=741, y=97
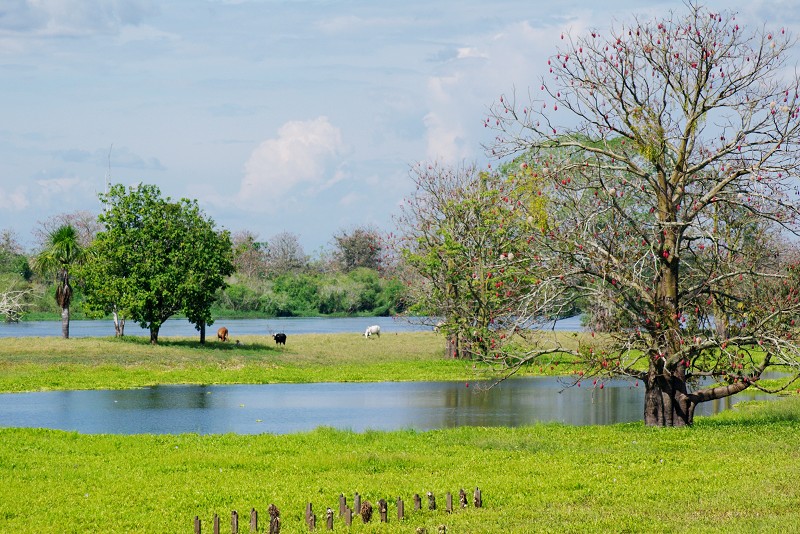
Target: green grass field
x=735, y=472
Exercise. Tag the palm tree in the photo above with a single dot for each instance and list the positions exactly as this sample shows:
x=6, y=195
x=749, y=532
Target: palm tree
x=62, y=251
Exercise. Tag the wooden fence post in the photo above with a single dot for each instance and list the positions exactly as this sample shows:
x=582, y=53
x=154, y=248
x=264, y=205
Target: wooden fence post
x=253, y=520
x=342, y=504
x=216, y=524
x=401, y=513
x=462, y=498
x=311, y=519
x=348, y=516
x=329, y=519
x=417, y=502
x=234, y=522
x=431, y=501
x=449, y=502
x=357, y=503
x=383, y=510
x=274, y=519
x=477, y=498
x=197, y=526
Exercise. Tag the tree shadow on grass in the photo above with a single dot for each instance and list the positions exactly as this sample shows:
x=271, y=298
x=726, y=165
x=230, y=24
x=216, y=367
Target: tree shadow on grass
x=208, y=345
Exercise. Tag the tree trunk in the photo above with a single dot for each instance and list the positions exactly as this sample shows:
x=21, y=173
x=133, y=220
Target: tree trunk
x=65, y=322
x=119, y=324
x=153, y=335
x=666, y=402
x=202, y=332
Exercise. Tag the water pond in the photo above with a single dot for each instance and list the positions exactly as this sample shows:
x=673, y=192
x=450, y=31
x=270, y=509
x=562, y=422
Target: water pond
x=237, y=327
x=287, y=408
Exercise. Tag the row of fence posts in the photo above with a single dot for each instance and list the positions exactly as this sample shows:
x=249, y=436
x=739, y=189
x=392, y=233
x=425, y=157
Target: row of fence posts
x=365, y=510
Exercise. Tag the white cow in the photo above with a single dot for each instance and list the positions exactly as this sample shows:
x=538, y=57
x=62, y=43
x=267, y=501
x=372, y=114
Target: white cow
x=373, y=330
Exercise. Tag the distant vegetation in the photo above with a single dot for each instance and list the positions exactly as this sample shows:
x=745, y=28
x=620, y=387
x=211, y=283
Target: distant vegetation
x=273, y=278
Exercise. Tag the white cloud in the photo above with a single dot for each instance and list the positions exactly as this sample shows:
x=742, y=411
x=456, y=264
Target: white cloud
x=304, y=153
x=510, y=59
x=14, y=199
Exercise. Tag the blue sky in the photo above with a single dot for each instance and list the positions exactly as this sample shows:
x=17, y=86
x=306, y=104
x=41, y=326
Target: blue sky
x=299, y=116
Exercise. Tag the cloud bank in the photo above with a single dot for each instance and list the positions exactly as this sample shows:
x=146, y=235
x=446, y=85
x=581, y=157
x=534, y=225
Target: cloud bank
x=304, y=154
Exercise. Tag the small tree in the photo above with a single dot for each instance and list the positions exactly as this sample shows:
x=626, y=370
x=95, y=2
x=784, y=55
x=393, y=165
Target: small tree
x=156, y=258
x=359, y=247
x=250, y=256
x=463, y=233
x=669, y=183
x=61, y=253
x=285, y=254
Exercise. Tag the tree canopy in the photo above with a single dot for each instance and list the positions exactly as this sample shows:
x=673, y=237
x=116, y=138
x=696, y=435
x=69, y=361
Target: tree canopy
x=667, y=150
x=155, y=258
x=463, y=233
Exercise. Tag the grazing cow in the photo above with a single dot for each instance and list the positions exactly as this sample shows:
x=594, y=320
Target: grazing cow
x=280, y=339
x=222, y=334
x=373, y=330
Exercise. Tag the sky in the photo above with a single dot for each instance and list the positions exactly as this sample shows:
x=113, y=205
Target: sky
x=276, y=115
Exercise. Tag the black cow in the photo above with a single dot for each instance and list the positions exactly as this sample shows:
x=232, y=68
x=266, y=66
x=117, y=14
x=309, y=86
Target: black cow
x=280, y=339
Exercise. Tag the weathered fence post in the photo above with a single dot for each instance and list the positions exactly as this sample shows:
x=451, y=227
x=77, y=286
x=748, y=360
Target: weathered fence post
x=442, y=529
x=311, y=519
x=431, y=501
x=197, y=526
x=234, y=522
x=366, y=512
x=274, y=519
x=342, y=504
x=329, y=519
x=401, y=513
x=253, y=520
x=448, y=502
x=383, y=510
x=357, y=503
x=462, y=498
x=348, y=516
x=477, y=499
x=216, y=524
x=417, y=502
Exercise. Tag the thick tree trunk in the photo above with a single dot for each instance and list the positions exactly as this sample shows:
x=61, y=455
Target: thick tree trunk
x=202, y=332
x=153, y=335
x=666, y=402
x=65, y=322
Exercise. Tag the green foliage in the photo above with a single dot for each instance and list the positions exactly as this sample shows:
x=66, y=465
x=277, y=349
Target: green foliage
x=361, y=291
x=466, y=245
x=156, y=258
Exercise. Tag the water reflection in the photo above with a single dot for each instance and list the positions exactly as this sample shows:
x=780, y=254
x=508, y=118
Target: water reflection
x=286, y=408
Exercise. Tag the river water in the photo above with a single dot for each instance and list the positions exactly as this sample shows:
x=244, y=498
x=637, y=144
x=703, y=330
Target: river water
x=237, y=327
x=288, y=408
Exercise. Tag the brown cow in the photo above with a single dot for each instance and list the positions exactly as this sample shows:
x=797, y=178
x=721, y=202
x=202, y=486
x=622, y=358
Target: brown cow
x=222, y=334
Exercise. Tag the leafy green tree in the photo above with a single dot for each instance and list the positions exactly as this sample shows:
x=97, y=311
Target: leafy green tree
x=667, y=150
x=463, y=235
x=62, y=253
x=156, y=258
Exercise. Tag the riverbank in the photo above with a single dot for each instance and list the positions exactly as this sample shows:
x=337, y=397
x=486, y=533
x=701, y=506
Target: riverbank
x=36, y=364
x=714, y=477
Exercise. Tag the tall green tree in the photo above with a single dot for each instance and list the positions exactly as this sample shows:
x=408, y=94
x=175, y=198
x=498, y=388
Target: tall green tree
x=62, y=252
x=668, y=152
x=156, y=258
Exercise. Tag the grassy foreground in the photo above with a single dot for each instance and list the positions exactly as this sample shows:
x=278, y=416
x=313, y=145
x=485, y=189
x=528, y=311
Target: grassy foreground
x=732, y=473
x=735, y=472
